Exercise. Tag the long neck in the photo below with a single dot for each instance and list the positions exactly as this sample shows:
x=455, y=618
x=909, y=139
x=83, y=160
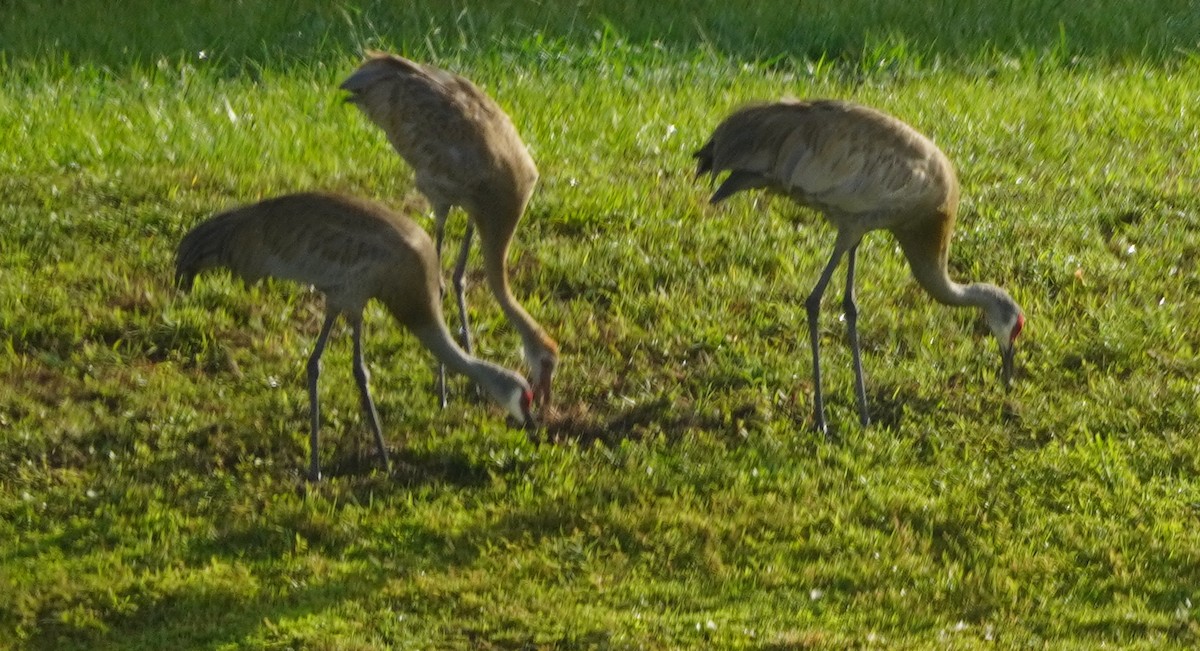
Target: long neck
x=931, y=274
x=934, y=279
x=495, y=232
x=437, y=338
x=497, y=275
x=927, y=247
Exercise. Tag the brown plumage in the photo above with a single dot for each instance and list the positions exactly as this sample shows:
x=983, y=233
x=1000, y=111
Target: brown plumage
x=465, y=152
x=352, y=251
x=864, y=170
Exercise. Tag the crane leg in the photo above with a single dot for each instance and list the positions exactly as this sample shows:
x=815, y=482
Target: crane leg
x=851, y=310
x=361, y=376
x=813, y=304
x=314, y=372
x=460, y=272
x=439, y=230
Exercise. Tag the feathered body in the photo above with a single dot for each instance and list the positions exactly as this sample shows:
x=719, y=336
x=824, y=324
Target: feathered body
x=349, y=250
x=465, y=152
x=864, y=170
x=352, y=251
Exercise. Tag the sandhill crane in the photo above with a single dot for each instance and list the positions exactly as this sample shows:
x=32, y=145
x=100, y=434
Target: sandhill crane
x=352, y=251
x=465, y=152
x=864, y=170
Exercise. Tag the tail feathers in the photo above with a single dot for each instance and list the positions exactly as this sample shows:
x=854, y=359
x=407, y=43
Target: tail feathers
x=204, y=247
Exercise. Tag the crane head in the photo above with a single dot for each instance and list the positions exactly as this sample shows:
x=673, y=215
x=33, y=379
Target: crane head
x=520, y=407
x=513, y=392
x=540, y=380
x=542, y=357
x=1006, y=320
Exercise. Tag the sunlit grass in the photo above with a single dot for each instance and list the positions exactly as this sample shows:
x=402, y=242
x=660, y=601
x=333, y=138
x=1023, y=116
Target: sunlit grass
x=153, y=443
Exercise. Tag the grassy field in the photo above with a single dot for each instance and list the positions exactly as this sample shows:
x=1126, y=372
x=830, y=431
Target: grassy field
x=152, y=444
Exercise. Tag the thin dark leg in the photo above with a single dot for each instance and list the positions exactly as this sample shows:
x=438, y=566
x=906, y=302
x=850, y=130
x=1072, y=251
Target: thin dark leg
x=851, y=310
x=460, y=272
x=439, y=228
x=813, y=304
x=361, y=376
x=314, y=372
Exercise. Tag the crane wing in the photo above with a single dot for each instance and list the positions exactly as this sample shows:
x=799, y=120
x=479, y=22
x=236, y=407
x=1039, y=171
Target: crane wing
x=826, y=154
x=437, y=121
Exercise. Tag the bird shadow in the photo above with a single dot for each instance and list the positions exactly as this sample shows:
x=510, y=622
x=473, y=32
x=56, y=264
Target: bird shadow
x=580, y=425
x=185, y=615
x=351, y=459
x=889, y=406
x=662, y=416
x=361, y=471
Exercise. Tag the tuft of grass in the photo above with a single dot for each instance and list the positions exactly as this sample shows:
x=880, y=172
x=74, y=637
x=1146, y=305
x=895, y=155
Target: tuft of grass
x=151, y=490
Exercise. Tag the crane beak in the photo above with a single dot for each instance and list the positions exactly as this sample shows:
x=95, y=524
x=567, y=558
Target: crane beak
x=1007, y=356
x=541, y=395
x=541, y=386
x=530, y=424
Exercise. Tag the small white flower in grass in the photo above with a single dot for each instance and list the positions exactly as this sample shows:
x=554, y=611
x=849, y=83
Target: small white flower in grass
x=92, y=494
x=816, y=593
x=960, y=626
x=202, y=55
x=710, y=625
x=272, y=381
x=670, y=131
x=1131, y=250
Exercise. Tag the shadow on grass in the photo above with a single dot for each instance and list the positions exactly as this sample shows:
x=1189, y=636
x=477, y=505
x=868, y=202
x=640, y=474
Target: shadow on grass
x=182, y=617
x=346, y=455
x=665, y=417
x=659, y=416
x=860, y=32
x=890, y=404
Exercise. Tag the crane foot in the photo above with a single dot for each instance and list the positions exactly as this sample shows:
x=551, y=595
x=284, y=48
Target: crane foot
x=820, y=426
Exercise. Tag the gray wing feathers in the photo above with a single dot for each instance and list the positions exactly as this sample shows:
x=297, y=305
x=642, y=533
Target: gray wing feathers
x=437, y=121
x=827, y=154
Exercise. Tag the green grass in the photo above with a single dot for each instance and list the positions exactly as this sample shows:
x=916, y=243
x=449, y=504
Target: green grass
x=152, y=444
